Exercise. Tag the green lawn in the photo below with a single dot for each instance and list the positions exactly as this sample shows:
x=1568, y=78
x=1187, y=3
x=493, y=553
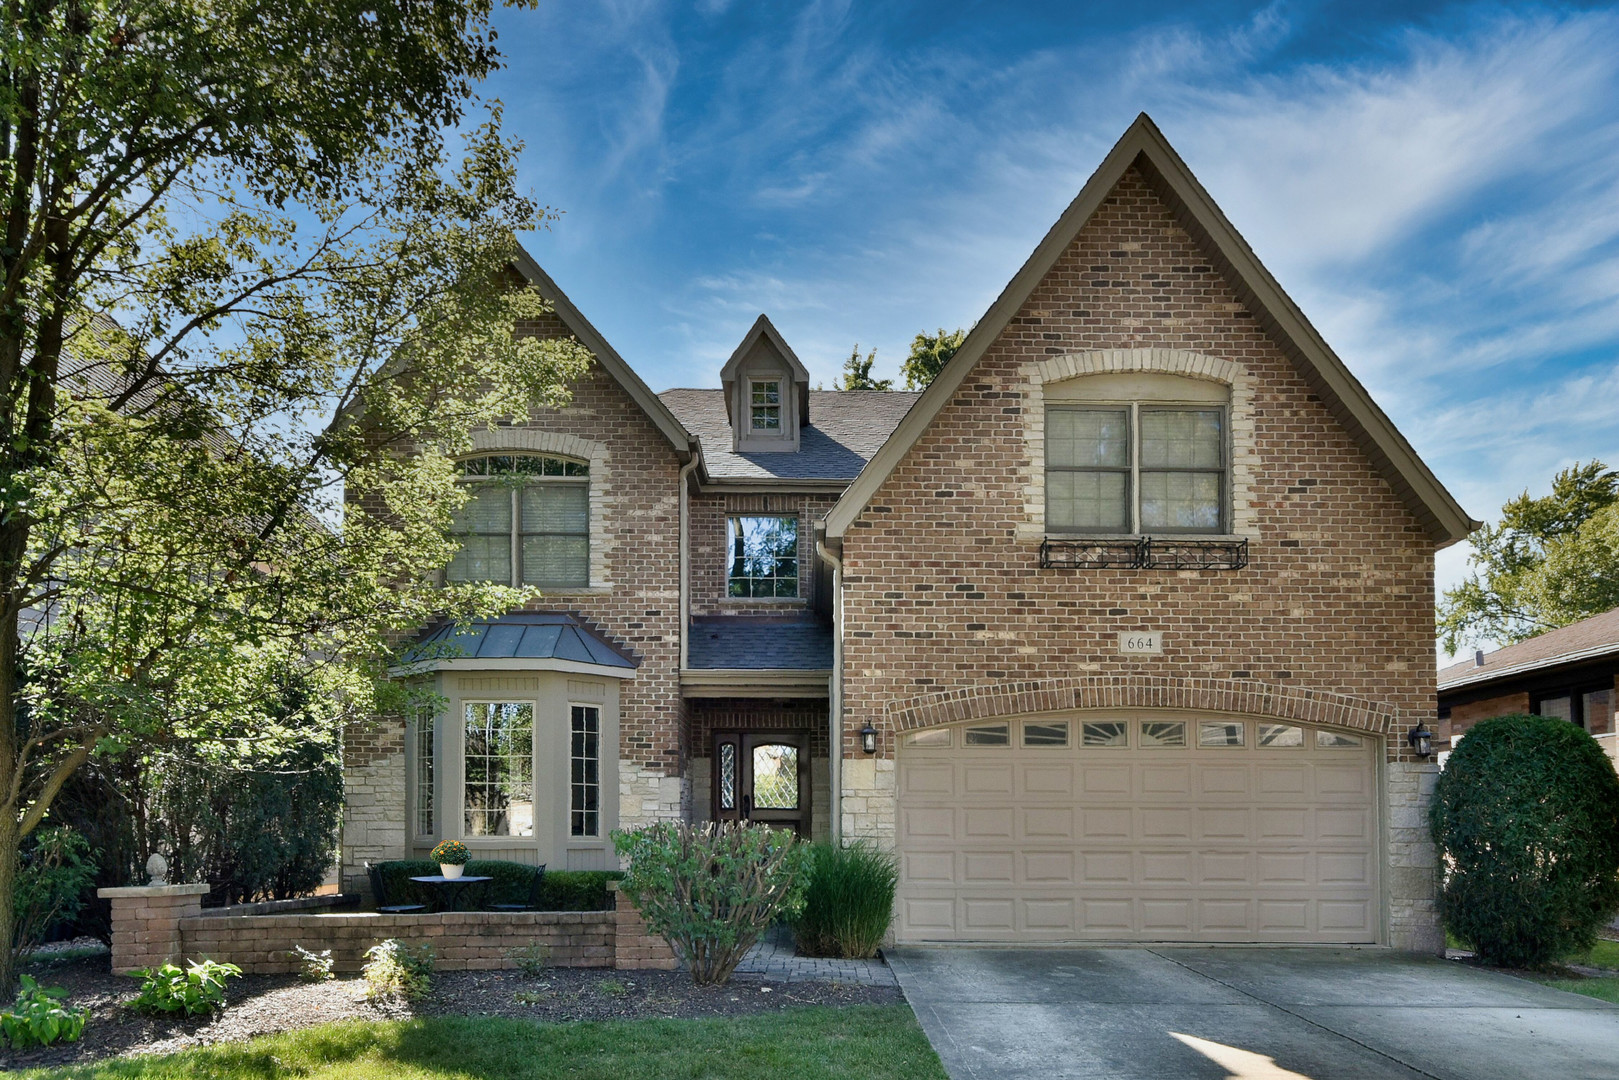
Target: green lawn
x=803, y=1044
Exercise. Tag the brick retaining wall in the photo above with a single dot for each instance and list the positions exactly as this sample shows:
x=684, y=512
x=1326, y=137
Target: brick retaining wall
x=152, y=924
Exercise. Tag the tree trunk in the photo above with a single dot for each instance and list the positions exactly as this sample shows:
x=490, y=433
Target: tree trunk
x=9, y=842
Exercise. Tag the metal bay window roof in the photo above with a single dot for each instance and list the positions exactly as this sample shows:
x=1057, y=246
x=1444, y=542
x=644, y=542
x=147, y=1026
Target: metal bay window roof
x=551, y=640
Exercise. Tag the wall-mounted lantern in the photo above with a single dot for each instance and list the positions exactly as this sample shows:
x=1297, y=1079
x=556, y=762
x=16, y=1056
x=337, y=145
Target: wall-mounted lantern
x=1421, y=740
x=868, y=739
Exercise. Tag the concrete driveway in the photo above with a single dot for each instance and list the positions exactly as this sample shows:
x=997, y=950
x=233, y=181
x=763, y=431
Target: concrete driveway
x=1325, y=1014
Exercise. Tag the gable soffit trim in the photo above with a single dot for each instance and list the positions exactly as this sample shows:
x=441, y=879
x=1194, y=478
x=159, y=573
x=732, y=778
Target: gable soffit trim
x=683, y=441
x=1145, y=146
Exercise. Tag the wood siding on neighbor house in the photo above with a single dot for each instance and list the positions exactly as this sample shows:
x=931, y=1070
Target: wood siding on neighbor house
x=943, y=588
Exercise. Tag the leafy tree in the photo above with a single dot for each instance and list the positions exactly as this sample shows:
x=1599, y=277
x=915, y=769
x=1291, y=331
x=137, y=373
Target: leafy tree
x=310, y=279
x=1550, y=561
x=857, y=373
x=1524, y=817
x=929, y=352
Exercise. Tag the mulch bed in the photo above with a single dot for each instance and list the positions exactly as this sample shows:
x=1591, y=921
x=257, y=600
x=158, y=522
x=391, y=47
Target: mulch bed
x=265, y=1004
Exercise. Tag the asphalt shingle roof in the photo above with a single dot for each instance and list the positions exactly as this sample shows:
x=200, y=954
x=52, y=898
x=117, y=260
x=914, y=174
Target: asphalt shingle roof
x=759, y=641
x=519, y=635
x=1586, y=639
x=846, y=427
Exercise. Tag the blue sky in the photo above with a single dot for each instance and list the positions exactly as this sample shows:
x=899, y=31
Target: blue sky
x=1438, y=188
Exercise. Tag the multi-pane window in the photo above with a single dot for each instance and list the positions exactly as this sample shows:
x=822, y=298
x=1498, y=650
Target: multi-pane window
x=499, y=768
x=584, y=799
x=764, y=556
x=527, y=521
x=1136, y=468
x=425, y=792
x=764, y=404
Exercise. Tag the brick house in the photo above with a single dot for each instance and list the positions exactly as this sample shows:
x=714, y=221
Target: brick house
x=1571, y=673
x=1115, y=632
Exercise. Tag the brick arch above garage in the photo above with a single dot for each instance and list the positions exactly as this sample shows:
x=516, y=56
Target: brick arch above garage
x=1246, y=696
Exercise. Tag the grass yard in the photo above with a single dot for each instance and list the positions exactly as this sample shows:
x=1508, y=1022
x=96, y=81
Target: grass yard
x=803, y=1044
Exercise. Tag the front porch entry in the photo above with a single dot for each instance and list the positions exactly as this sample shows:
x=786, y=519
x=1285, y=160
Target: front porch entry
x=762, y=776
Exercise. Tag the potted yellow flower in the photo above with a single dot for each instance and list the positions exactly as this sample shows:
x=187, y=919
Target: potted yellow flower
x=451, y=856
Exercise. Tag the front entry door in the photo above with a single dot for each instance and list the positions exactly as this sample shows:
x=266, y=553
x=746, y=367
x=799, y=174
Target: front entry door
x=764, y=777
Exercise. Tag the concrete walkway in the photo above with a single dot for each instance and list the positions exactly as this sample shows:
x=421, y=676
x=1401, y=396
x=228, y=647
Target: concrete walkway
x=1281, y=1014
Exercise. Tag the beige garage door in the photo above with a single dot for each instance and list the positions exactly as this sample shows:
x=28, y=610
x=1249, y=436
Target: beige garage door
x=1137, y=827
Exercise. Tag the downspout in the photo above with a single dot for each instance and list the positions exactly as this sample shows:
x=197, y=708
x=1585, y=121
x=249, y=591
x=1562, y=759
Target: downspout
x=685, y=552
x=835, y=695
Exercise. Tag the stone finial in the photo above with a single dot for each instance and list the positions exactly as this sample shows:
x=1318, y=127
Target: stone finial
x=157, y=867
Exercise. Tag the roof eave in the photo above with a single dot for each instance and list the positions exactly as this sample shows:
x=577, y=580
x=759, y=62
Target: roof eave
x=683, y=441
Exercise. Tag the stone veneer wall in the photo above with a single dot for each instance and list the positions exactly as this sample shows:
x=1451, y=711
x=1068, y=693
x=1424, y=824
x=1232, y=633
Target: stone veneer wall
x=943, y=589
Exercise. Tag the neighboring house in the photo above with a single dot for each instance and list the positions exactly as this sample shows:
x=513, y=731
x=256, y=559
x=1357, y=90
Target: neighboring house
x=1132, y=607
x=1571, y=673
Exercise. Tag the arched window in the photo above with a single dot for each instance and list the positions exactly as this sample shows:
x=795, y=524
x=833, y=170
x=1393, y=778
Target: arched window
x=527, y=521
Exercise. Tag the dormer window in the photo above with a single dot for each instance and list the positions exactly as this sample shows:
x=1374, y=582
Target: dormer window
x=765, y=403
x=527, y=522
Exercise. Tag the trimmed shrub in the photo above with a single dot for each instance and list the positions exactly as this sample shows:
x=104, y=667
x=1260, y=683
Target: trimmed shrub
x=1526, y=817
x=711, y=890
x=561, y=890
x=849, y=901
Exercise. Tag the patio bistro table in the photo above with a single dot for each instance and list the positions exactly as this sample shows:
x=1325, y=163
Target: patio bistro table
x=451, y=889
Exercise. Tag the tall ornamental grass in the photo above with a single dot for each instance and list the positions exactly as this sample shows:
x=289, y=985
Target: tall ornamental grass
x=849, y=902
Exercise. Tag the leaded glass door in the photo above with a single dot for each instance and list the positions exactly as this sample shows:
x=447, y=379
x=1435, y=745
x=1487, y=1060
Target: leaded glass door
x=762, y=777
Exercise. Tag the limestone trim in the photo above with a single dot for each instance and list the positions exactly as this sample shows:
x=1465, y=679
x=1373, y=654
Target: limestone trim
x=540, y=441
x=1182, y=362
x=1246, y=696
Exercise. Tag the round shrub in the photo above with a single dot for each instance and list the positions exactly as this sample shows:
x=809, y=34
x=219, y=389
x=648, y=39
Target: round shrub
x=1526, y=817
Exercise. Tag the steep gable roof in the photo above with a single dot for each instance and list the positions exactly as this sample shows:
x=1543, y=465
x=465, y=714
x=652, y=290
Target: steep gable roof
x=763, y=328
x=605, y=354
x=1144, y=147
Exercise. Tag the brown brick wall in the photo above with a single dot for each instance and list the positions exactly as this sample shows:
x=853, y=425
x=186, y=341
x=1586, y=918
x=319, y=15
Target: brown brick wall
x=462, y=941
x=146, y=928
x=635, y=947
x=1465, y=716
x=710, y=549
x=941, y=594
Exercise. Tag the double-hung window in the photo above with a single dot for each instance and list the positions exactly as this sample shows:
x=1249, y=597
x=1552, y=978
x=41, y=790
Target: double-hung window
x=1136, y=468
x=764, y=557
x=764, y=404
x=527, y=521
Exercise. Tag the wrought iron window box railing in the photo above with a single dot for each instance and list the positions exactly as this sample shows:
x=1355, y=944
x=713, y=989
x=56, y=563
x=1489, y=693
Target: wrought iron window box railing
x=1144, y=553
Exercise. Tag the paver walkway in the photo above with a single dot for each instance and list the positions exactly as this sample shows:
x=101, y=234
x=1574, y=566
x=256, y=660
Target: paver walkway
x=773, y=958
x=1282, y=1014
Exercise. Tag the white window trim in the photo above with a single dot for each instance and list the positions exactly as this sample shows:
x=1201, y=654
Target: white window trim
x=1241, y=442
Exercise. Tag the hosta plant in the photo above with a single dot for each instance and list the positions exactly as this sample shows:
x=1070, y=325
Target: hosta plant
x=197, y=988
x=393, y=970
x=711, y=890
x=38, y=1018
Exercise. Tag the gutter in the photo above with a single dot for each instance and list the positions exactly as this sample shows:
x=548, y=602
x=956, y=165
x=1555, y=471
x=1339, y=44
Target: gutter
x=834, y=710
x=1485, y=675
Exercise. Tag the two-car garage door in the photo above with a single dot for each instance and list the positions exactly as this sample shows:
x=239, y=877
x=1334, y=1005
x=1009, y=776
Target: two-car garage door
x=1137, y=827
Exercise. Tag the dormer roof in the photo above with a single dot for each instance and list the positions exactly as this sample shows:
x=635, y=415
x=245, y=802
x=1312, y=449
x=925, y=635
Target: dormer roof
x=763, y=328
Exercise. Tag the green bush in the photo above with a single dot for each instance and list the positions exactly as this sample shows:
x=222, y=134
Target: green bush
x=198, y=988
x=54, y=876
x=1526, y=817
x=562, y=890
x=711, y=890
x=39, y=1018
x=849, y=901
x=395, y=970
